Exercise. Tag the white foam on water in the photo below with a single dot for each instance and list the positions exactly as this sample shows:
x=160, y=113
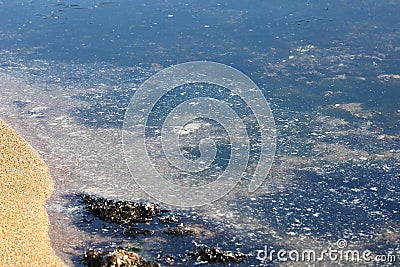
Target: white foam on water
x=86, y=158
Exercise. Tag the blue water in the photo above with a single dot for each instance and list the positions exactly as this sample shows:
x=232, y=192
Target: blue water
x=132, y=32
x=324, y=66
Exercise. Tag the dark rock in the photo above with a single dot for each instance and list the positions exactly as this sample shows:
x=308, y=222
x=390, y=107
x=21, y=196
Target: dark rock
x=121, y=212
x=116, y=258
x=133, y=232
x=215, y=255
x=180, y=230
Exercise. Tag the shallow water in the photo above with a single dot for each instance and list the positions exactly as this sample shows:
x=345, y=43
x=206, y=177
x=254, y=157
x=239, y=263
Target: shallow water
x=329, y=71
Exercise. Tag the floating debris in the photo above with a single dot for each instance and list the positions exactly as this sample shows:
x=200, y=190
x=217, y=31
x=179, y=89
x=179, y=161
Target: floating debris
x=303, y=21
x=305, y=48
x=115, y=258
x=388, y=77
x=356, y=109
x=215, y=255
x=121, y=212
x=21, y=103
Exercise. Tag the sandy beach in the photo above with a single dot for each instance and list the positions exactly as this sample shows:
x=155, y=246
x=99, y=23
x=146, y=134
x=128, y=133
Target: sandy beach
x=25, y=185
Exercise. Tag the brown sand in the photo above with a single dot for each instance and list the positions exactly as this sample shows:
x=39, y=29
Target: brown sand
x=25, y=185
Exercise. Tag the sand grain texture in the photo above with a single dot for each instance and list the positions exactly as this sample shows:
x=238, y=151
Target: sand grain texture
x=25, y=185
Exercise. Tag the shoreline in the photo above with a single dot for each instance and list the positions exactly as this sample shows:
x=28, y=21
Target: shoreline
x=25, y=185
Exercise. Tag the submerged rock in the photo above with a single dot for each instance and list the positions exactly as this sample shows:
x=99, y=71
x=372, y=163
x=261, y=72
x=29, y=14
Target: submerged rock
x=134, y=232
x=180, y=230
x=134, y=219
x=215, y=255
x=115, y=258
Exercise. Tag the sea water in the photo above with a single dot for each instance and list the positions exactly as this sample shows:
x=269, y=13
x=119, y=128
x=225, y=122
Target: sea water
x=328, y=69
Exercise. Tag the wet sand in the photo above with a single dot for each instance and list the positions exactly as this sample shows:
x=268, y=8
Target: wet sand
x=25, y=185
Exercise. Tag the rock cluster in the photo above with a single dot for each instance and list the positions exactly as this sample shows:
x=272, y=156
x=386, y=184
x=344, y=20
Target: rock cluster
x=131, y=217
